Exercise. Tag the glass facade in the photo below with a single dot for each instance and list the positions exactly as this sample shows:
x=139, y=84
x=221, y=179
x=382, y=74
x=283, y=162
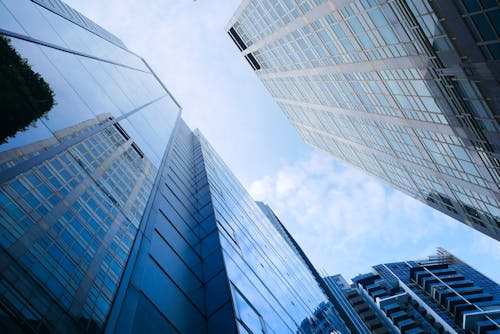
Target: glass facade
x=208, y=259
x=336, y=302
x=440, y=294
x=278, y=289
x=404, y=90
x=85, y=124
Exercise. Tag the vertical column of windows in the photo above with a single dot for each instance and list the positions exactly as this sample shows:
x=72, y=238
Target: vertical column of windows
x=429, y=23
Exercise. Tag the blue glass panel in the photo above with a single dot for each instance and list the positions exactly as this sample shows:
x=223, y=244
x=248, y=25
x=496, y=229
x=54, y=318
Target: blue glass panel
x=377, y=17
x=471, y=5
x=30, y=18
x=494, y=50
x=355, y=25
x=247, y=313
x=389, y=35
x=8, y=22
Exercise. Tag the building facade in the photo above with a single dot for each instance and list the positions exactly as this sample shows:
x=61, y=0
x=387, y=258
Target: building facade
x=115, y=216
x=222, y=265
x=336, y=301
x=88, y=124
x=407, y=91
x=368, y=316
x=440, y=294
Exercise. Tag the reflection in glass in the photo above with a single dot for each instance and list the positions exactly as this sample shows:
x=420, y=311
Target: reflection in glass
x=24, y=95
x=476, y=216
x=75, y=179
x=274, y=290
x=247, y=314
x=67, y=227
x=323, y=320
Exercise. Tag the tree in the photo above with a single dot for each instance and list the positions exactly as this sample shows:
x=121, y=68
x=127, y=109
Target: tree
x=24, y=95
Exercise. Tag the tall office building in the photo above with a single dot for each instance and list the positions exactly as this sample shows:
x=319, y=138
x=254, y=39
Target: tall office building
x=407, y=91
x=210, y=260
x=115, y=216
x=84, y=125
x=440, y=294
x=336, y=301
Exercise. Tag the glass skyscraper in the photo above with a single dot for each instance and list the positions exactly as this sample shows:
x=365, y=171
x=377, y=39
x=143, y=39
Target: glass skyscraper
x=85, y=124
x=210, y=260
x=336, y=301
x=440, y=294
x=115, y=216
x=407, y=91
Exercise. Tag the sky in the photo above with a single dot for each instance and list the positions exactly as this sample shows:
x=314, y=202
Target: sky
x=345, y=220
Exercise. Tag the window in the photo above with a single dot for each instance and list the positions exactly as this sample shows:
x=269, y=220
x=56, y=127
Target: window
x=248, y=317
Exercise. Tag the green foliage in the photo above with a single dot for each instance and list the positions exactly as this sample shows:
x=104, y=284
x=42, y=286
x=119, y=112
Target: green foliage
x=24, y=95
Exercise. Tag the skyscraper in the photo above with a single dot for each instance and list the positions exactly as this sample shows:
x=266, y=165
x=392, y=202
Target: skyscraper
x=405, y=90
x=115, y=216
x=209, y=260
x=85, y=123
x=440, y=294
x=351, y=320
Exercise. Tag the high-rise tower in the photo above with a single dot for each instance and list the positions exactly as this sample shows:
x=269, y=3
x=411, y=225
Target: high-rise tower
x=405, y=90
x=440, y=294
x=209, y=260
x=85, y=124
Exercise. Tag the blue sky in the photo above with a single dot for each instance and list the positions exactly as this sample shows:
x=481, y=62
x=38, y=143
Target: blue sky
x=344, y=220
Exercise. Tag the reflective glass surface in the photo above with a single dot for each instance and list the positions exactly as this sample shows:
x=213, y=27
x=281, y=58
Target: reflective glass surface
x=88, y=127
x=49, y=27
x=273, y=289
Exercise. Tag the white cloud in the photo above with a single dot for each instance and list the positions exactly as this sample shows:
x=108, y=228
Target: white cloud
x=348, y=221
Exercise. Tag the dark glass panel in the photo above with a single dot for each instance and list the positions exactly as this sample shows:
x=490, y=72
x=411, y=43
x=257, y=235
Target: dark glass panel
x=494, y=17
x=494, y=50
x=471, y=5
x=483, y=27
x=489, y=3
